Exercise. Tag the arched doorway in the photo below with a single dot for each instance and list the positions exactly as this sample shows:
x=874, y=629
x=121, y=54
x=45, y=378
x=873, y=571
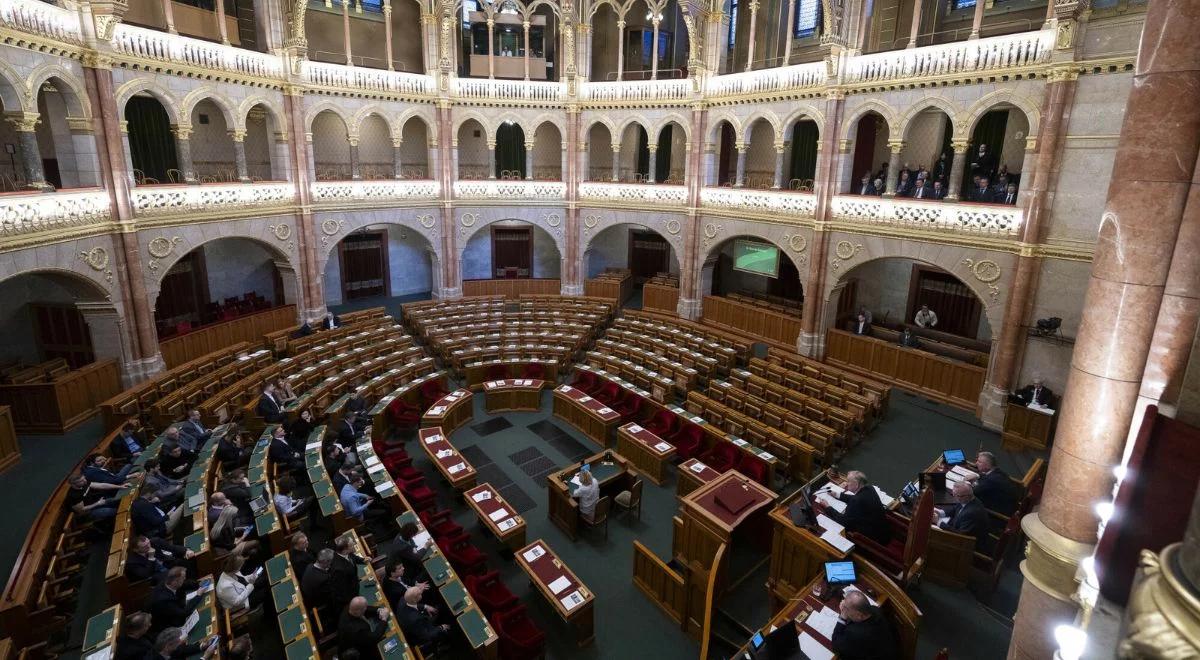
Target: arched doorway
x=996, y=153
x=266, y=154
x=330, y=147
x=380, y=261
x=472, y=152
x=548, y=153
x=600, y=156
x=670, y=155
x=51, y=314
x=634, y=158
x=760, y=155
x=219, y=281
x=642, y=251
x=510, y=151
x=802, y=167
x=869, y=166
x=375, y=153
x=722, y=155
x=511, y=249
x=213, y=156
x=68, y=159
x=414, y=149
x=927, y=155
x=753, y=268
x=151, y=144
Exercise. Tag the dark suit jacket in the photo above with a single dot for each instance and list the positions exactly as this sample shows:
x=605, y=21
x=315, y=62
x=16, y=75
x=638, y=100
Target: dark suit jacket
x=347, y=434
x=119, y=448
x=344, y=579
x=138, y=568
x=301, y=561
x=864, y=514
x=146, y=518
x=201, y=435
x=982, y=195
x=865, y=640
x=411, y=555
x=418, y=628
x=1044, y=397
x=269, y=410
x=282, y=454
x=971, y=519
x=316, y=587
x=231, y=455
x=924, y=192
x=326, y=325
x=997, y=492
x=168, y=610
x=866, y=330
x=361, y=633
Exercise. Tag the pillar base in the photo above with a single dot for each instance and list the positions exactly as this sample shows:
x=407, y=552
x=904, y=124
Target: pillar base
x=688, y=308
x=1163, y=615
x=571, y=289
x=137, y=371
x=449, y=293
x=1051, y=570
x=992, y=404
x=811, y=345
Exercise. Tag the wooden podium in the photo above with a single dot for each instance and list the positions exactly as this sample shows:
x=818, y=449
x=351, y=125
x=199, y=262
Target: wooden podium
x=1027, y=428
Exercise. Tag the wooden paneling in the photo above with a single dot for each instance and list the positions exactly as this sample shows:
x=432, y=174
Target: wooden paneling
x=752, y=319
x=1027, y=429
x=936, y=377
x=64, y=402
x=609, y=286
x=663, y=586
x=10, y=450
x=511, y=288
x=251, y=328
x=659, y=298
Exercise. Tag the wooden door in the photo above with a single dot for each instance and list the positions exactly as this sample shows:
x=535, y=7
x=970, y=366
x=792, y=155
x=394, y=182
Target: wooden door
x=512, y=252
x=364, y=265
x=649, y=254
x=61, y=332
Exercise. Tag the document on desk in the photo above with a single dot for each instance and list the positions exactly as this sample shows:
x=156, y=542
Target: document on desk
x=575, y=480
x=663, y=446
x=964, y=472
x=870, y=600
x=698, y=467
x=838, y=541
x=376, y=469
x=421, y=539
x=835, y=504
x=437, y=437
x=813, y=649
x=191, y=622
x=482, y=495
x=445, y=453
x=571, y=600
x=533, y=553
x=829, y=524
x=456, y=468
x=558, y=585
x=505, y=525
x=634, y=428
x=823, y=622
x=499, y=514
x=884, y=499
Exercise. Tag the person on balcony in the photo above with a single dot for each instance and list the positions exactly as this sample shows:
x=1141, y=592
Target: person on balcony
x=926, y=318
x=904, y=187
x=861, y=325
x=866, y=187
x=922, y=189
x=1009, y=196
x=983, y=163
x=983, y=192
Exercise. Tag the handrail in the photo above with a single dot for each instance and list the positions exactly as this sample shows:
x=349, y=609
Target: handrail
x=42, y=19
x=145, y=44
x=709, y=596
x=639, y=90
x=522, y=90
x=341, y=76
x=978, y=55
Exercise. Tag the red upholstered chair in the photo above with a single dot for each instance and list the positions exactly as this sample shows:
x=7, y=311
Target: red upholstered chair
x=586, y=381
x=663, y=424
x=608, y=394
x=463, y=556
x=403, y=414
x=398, y=463
x=904, y=558
x=753, y=467
x=721, y=457
x=629, y=406
x=535, y=371
x=438, y=524
x=520, y=638
x=496, y=372
x=432, y=390
x=417, y=493
x=687, y=441
x=490, y=592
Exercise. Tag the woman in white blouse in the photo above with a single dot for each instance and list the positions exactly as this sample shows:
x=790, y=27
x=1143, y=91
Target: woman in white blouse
x=233, y=588
x=588, y=494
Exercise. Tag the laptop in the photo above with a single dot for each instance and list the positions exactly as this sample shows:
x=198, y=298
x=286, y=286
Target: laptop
x=783, y=643
x=840, y=573
x=953, y=457
x=258, y=504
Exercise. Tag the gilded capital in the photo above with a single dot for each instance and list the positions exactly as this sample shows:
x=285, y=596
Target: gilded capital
x=238, y=134
x=182, y=131
x=960, y=146
x=23, y=122
x=896, y=146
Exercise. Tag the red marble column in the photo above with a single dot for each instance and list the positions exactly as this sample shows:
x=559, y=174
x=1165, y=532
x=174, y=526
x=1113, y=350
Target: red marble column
x=691, y=261
x=451, y=270
x=812, y=338
x=312, y=281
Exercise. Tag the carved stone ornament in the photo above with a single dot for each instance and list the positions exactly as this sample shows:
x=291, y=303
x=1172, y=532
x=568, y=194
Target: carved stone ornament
x=591, y=221
x=674, y=227
x=97, y=259
x=797, y=242
x=468, y=219
x=711, y=230
x=330, y=228
x=427, y=221
x=985, y=270
x=554, y=220
x=1162, y=612
x=281, y=231
x=162, y=247
x=1065, y=38
x=846, y=249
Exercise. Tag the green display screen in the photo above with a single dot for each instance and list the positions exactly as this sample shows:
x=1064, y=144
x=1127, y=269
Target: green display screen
x=757, y=258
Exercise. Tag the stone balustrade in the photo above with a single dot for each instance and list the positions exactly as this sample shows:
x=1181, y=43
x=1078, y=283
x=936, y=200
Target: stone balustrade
x=768, y=202
x=653, y=195
x=41, y=19
x=357, y=78
x=991, y=219
x=154, y=46
x=374, y=193
x=1009, y=51
x=767, y=81
x=539, y=191
x=36, y=212
x=636, y=91
x=220, y=199
x=478, y=89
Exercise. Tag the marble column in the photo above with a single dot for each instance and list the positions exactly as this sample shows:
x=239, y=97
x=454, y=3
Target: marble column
x=753, y=32
x=239, y=155
x=183, y=152
x=740, y=177
x=893, y=176
x=977, y=21
x=491, y=145
x=525, y=50
x=830, y=152
x=355, y=167
x=222, y=30
x=789, y=34
x=25, y=125
x=387, y=34
x=346, y=33
x=616, y=163
x=653, y=149
x=491, y=23
x=916, y=23
x=168, y=8
x=397, y=158
x=957, y=164
x=780, y=150
x=529, y=161
x=620, y=48
x=654, y=56
x=1158, y=149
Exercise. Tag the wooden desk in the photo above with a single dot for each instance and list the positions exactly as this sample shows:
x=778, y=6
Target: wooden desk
x=10, y=449
x=409, y=393
x=609, y=468
x=693, y=474
x=798, y=554
x=710, y=504
x=498, y=516
x=1027, y=428
x=570, y=598
x=512, y=394
x=477, y=372
x=646, y=451
x=455, y=469
x=451, y=411
x=590, y=416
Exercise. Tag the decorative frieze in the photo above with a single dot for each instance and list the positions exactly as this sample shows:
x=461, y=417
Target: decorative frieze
x=507, y=191
x=767, y=202
x=629, y=193
x=944, y=216
x=29, y=214
x=157, y=201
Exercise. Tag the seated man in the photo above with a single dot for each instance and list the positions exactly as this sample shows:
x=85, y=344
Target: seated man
x=907, y=338
x=861, y=325
x=331, y=321
x=282, y=455
x=194, y=428
x=174, y=461
x=862, y=632
x=926, y=318
x=419, y=629
x=361, y=627
x=170, y=490
x=317, y=586
x=355, y=503
x=864, y=511
x=285, y=504
x=1035, y=393
x=994, y=488
x=177, y=437
x=92, y=502
x=168, y=603
x=230, y=451
x=172, y=643
x=150, y=559
x=300, y=555
x=148, y=517
x=969, y=517
x=95, y=468
x=128, y=444
x=348, y=431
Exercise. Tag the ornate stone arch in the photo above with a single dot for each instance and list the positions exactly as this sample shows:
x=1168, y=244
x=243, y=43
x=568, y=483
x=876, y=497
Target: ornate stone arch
x=311, y=114
x=603, y=121
x=676, y=118
x=14, y=93
x=73, y=92
x=533, y=7
x=743, y=134
x=416, y=112
x=952, y=110
x=640, y=120
x=992, y=99
x=801, y=111
x=244, y=108
x=514, y=118
x=594, y=222
x=617, y=8
x=365, y=112
x=469, y=222
x=882, y=109
x=714, y=124
x=93, y=281
x=489, y=131
x=206, y=93
x=333, y=227
x=716, y=232
x=146, y=85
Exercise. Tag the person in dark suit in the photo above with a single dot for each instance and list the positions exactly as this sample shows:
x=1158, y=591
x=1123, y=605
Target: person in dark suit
x=396, y=583
x=317, y=584
x=230, y=451
x=861, y=325
x=174, y=461
x=361, y=627
x=418, y=628
x=150, y=559
x=866, y=187
x=983, y=163
x=331, y=321
x=994, y=488
x=406, y=549
x=969, y=518
x=982, y=192
x=862, y=632
x=938, y=192
x=343, y=572
x=281, y=453
x=300, y=555
x=172, y=643
x=1037, y=393
x=269, y=407
x=864, y=512
x=194, y=428
x=135, y=644
x=128, y=444
x=95, y=468
x=168, y=604
x=1008, y=195
x=904, y=186
x=150, y=520
x=299, y=430
x=348, y=432
x=922, y=189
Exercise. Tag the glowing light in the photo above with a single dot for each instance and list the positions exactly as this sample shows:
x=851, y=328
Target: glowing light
x=1105, y=511
x=1071, y=642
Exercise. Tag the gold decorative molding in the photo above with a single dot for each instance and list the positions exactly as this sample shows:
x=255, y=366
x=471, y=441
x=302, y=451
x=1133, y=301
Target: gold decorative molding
x=1052, y=561
x=1163, y=614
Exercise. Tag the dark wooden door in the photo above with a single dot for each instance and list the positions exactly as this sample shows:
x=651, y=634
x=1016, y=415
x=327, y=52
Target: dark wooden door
x=649, y=254
x=364, y=265
x=61, y=332
x=512, y=252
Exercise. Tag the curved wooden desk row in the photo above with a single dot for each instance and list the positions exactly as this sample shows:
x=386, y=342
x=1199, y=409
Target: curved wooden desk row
x=475, y=373
x=447, y=333
x=827, y=440
x=614, y=286
x=63, y=402
x=834, y=375
x=174, y=406
x=851, y=414
x=562, y=344
x=485, y=336
x=572, y=315
x=753, y=319
x=684, y=354
x=937, y=343
x=379, y=385
x=772, y=378
x=796, y=454
x=725, y=356
x=285, y=342
x=202, y=341
x=664, y=325
x=354, y=364
x=658, y=384
x=410, y=393
x=531, y=353
x=685, y=376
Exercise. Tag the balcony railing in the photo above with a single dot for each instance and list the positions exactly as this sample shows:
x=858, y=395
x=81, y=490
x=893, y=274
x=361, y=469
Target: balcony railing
x=773, y=202
x=151, y=201
x=374, y=192
x=152, y=45
x=636, y=91
x=629, y=193
x=345, y=77
x=944, y=215
x=37, y=212
x=509, y=90
x=975, y=56
x=549, y=191
x=41, y=19
x=800, y=76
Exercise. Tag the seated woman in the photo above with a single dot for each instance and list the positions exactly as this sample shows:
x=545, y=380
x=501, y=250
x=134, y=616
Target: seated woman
x=283, y=392
x=588, y=494
x=227, y=536
x=236, y=591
